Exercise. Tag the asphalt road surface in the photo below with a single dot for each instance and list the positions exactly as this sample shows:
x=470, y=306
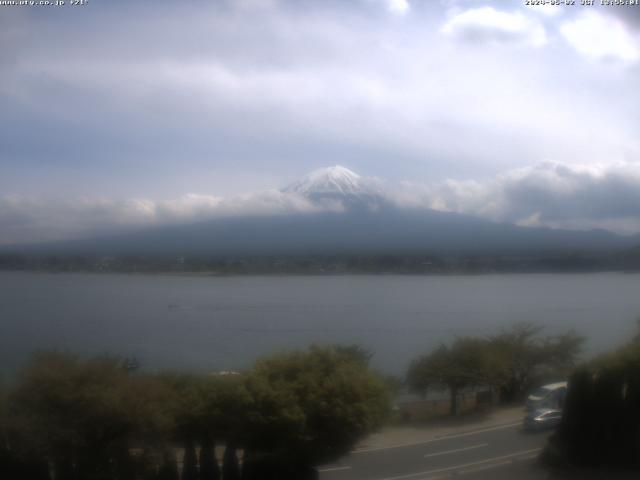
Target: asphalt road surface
x=502, y=452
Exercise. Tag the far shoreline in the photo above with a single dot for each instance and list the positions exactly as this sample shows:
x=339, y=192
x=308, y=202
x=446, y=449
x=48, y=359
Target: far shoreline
x=215, y=274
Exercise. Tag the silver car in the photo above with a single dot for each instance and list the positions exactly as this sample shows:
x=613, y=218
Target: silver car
x=542, y=419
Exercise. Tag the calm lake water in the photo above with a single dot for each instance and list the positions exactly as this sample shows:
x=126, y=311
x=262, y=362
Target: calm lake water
x=210, y=323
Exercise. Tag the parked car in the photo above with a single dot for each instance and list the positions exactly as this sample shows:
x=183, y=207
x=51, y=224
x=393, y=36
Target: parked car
x=548, y=396
x=542, y=419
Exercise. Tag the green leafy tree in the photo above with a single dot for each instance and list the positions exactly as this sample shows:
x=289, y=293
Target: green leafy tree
x=467, y=362
x=185, y=399
x=226, y=402
x=84, y=415
x=311, y=406
x=18, y=459
x=561, y=352
x=354, y=352
x=531, y=358
x=601, y=418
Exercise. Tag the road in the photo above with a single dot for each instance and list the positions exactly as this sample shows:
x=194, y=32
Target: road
x=498, y=452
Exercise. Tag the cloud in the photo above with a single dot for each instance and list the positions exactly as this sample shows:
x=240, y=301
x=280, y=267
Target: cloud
x=601, y=37
x=548, y=194
x=29, y=219
x=399, y=7
x=203, y=99
x=488, y=25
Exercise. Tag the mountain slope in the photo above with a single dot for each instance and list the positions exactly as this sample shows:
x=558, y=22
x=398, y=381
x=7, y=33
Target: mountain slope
x=352, y=216
x=387, y=230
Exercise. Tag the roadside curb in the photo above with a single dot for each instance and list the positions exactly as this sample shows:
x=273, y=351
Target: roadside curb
x=435, y=438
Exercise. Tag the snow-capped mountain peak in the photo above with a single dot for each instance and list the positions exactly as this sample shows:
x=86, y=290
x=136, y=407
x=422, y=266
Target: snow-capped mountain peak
x=339, y=188
x=336, y=180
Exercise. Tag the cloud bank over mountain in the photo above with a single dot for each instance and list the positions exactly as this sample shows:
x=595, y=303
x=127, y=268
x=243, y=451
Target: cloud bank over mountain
x=548, y=194
x=28, y=219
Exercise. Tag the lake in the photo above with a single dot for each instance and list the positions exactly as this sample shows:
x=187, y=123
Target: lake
x=225, y=323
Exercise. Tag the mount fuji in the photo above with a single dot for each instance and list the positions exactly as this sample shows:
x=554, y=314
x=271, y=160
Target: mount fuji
x=339, y=185
x=344, y=214
x=331, y=181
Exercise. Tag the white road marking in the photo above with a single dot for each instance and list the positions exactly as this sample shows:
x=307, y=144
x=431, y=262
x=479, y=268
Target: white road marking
x=333, y=469
x=446, y=452
x=439, y=439
x=464, y=465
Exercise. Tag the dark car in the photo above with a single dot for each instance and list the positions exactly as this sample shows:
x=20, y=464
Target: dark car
x=542, y=419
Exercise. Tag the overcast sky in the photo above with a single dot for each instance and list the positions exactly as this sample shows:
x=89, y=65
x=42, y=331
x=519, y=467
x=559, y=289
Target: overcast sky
x=135, y=112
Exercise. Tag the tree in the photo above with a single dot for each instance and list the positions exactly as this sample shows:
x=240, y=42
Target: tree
x=601, y=419
x=467, y=362
x=561, y=352
x=311, y=407
x=84, y=415
x=528, y=356
x=76, y=409
x=17, y=458
x=186, y=402
x=354, y=352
